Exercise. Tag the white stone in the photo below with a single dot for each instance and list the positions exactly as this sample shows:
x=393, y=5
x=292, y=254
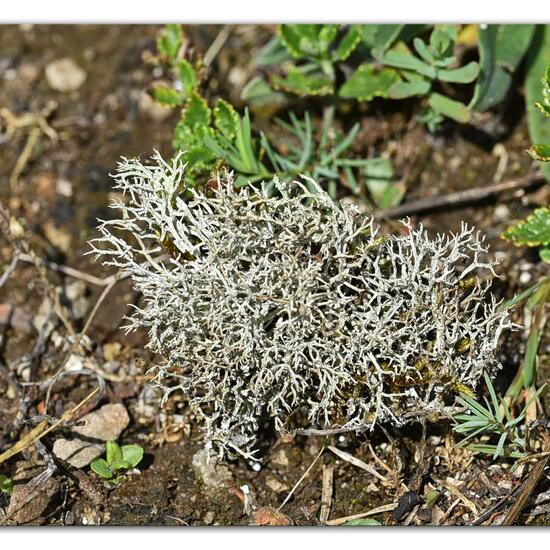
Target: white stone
x=64, y=75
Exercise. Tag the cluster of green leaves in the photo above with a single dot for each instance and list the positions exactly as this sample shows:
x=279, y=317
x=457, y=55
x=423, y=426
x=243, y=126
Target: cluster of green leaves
x=210, y=135
x=6, y=484
x=493, y=418
x=434, y=62
x=203, y=131
x=309, y=56
x=324, y=156
x=117, y=459
x=394, y=61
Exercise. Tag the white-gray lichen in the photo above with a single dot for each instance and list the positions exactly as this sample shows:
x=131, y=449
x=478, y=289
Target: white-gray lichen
x=265, y=305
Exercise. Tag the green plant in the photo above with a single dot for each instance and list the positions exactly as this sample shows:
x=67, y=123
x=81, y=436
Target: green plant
x=494, y=418
x=325, y=158
x=6, y=484
x=202, y=130
x=533, y=231
x=212, y=136
x=501, y=50
x=541, y=151
x=538, y=102
x=535, y=299
x=307, y=60
x=117, y=459
x=433, y=63
x=309, y=55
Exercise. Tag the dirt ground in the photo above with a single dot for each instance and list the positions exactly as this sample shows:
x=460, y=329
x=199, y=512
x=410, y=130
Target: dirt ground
x=64, y=186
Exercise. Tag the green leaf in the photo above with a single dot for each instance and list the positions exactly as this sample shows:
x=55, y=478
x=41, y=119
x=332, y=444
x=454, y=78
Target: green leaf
x=348, y=43
x=169, y=41
x=540, y=152
x=494, y=399
x=461, y=75
x=442, y=40
x=403, y=60
x=132, y=454
x=311, y=41
x=122, y=465
x=392, y=196
x=196, y=113
x=114, y=453
x=257, y=92
x=537, y=62
x=167, y=96
x=431, y=498
x=501, y=49
x=273, y=53
x=530, y=362
x=187, y=76
x=500, y=445
x=6, y=484
x=226, y=118
x=545, y=105
x=477, y=408
x=533, y=231
x=302, y=84
x=101, y=468
x=544, y=254
x=198, y=156
x=378, y=174
x=364, y=521
x=367, y=82
x=431, y=118
x=402, y=90
x=380, y=37
x=423, y=50
x=449, y=107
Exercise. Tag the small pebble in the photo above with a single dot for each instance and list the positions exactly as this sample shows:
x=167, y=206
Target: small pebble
x=525, y=278
x=502, y=213
x=64, y=188
x=208, y=518
x=64, y=75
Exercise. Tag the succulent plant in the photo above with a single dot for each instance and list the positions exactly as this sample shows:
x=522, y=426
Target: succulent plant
x=278, y=303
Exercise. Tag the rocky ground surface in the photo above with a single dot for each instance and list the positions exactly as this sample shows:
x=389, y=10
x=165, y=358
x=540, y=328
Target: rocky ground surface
x=73, y=100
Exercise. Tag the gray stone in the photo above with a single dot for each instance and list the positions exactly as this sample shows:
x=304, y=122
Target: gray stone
x=105, y=424
x=77, y=452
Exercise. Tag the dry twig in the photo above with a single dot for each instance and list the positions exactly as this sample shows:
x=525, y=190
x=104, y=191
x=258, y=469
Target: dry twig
x=475, y=194
x=373, y=512
x=326, y=495
x=301, y=479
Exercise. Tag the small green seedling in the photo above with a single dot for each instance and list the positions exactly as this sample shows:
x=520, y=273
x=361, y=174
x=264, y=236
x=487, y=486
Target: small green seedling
x=117, y=459
x=6, y=484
